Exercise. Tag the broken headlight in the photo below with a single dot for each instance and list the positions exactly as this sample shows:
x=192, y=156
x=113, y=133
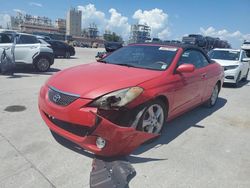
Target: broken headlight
x=117, y=99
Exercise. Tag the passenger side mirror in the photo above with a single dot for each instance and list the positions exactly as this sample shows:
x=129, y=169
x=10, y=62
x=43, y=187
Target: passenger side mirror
x=246, y=59
x=186, y=68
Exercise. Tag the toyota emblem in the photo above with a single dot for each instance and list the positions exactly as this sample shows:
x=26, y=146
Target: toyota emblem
x=56, y=98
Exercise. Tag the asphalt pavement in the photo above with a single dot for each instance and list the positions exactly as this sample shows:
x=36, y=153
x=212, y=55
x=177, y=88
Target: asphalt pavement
x=205, y=148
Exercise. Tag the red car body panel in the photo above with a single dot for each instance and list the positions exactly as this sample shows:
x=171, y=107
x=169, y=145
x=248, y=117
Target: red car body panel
x=79, y=80
x=181, y=91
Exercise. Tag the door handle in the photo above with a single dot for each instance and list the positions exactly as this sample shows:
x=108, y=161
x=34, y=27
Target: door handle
x=204, y=75
x=33, y=47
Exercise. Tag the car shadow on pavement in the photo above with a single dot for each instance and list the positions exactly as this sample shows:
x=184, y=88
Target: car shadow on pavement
x=241, y=84
x=176, y=127
x=61, y=57
x=74, y=147
x=71, y=145
x=24, y=71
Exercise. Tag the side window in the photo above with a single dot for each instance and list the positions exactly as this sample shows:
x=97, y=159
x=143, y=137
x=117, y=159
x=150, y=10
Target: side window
x=60, y=44
x=243, y=55
x=4, y=38
x=193, y=57
x=27, y=39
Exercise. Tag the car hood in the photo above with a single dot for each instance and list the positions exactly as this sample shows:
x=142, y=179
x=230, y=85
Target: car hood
x=96, y=79
x=226, y=62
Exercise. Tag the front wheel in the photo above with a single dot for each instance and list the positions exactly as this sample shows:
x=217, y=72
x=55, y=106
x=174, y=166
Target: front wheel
x=245, y=78
x=153, y=118
x=42, y=64
x=236, y=84
x=213, y=98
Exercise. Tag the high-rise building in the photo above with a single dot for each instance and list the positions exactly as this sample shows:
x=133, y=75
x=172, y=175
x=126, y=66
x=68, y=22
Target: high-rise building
x=74, y=22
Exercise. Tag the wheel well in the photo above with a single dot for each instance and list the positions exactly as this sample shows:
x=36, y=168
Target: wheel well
x=219, y=84
x=164, y=100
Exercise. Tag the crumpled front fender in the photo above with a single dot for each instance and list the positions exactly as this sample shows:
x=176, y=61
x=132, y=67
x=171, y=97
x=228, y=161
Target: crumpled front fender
x=119, y=140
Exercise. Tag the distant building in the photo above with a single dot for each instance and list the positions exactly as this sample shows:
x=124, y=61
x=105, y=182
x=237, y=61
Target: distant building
x=30, y=24
x=139, y=33
x=91, y=31
x=61, y=25
x=74, y=22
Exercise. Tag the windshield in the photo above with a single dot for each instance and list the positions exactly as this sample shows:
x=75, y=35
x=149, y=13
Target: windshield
x=148, y=57
x=224, y=55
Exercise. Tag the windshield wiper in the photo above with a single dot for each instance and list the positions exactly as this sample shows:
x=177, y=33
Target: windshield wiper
x=103, y=61
x=124, y=64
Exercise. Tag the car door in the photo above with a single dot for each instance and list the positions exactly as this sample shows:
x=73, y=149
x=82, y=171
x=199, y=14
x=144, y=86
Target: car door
x=26, y=47
x=54, y=47
x=5, y=43
x=189, y=87
x=62, y=48
x=245, y=64
x=208, y=75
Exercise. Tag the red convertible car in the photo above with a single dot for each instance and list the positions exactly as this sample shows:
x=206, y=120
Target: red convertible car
x=112, y=106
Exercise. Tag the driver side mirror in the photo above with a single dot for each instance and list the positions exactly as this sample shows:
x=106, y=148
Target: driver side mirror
x=186, y=68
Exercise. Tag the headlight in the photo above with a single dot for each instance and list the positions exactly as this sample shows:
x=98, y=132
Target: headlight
x=118, y=98
x=231, y=67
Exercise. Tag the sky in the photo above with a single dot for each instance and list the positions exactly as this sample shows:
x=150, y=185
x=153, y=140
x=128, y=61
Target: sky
x=169, y=19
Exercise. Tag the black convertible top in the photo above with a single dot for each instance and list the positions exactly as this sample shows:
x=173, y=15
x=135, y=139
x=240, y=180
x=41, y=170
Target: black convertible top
x=177, y=45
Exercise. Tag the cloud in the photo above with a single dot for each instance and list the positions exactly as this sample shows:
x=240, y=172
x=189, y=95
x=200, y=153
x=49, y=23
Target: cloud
x=91, y=15
x=35, y=4
x=19, y=11
x=116, y=22
x=157, y=19
x=236, y=37
x=4, y=20
x=224, y=34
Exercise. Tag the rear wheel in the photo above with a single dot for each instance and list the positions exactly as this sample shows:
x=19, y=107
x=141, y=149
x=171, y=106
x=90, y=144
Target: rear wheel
x=213, y=98
x=67, y=54
x=153, y=118
x=42, y=64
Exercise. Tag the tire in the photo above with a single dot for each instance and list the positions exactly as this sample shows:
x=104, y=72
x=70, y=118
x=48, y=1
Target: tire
x=213, y=98
x=153, y=118
x=245, y=78
x=67, y=54
x=236, y=84
x=42, y=64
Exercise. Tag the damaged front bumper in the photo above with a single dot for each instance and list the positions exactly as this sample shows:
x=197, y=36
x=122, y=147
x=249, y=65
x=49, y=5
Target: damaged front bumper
x=119, y=140
x=84, y=126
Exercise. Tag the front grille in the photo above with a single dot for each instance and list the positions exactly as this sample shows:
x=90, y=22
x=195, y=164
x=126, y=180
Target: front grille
x=61, y=98
x=76, y=129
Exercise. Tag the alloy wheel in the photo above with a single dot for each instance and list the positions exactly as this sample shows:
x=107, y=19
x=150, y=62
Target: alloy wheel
x=43, y=64
x=153, y=119
x=214, y=95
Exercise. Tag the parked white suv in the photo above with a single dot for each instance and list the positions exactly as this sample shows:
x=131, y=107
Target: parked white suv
x=246, y=46
x=28, y=50
x=234, y=62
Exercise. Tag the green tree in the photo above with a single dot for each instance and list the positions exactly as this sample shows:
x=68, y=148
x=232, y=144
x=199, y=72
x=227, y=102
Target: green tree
x=112, y=37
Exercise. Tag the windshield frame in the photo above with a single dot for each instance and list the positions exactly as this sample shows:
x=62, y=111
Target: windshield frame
x=164, y=67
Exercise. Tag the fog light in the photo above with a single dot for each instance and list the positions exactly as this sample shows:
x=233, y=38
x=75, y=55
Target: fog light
x=100, y=142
